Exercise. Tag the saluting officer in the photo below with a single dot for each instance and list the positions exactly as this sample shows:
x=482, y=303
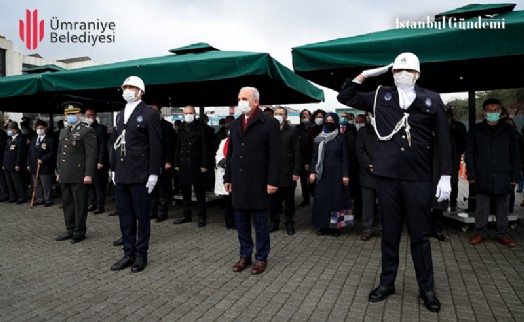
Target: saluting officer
x=76, y=166
x=405, y=117
x=136, y=162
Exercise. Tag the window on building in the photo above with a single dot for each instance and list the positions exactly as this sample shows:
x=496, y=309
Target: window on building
x=2, y=63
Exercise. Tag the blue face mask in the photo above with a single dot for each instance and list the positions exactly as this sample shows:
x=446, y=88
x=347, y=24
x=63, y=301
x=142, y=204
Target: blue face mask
x=72, y=119
x=343, y=121
x=9, y=133
x=493, y=117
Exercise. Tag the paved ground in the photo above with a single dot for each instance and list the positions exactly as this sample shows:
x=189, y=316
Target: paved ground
x=189, y=277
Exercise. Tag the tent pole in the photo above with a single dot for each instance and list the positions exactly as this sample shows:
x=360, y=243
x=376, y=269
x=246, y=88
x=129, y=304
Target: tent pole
x=471, y=109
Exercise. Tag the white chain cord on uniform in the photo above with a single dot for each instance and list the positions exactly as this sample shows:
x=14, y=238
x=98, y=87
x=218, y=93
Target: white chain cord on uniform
x=120, y=142
x=402, y=123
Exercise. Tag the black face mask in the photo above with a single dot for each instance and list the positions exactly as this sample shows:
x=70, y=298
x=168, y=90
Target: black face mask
x=330, y=126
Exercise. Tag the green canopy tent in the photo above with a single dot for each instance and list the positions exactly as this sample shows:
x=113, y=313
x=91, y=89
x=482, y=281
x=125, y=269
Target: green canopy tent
x=199, y=75
x=452, y=59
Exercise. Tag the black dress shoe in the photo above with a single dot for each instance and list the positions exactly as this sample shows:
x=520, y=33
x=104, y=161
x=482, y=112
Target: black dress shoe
x=48, y=204
x=290, y=229
x=21, y=201
x=161, y=219
x=64, y=237
x=77, y=239
x=182, y=220
x=38, y=203
x=99, y=211
x=91, y=208
x=380, y=293
x=139, y=264
x=125, y=262
x=202, y=224
x=273, y=228
x=304, y=203
x=118, y=242
x=440, y=236
x=431, y=301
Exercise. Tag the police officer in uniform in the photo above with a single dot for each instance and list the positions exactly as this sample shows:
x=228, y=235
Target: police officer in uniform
x=136, y=162
x=405, y=118
x=76, y=166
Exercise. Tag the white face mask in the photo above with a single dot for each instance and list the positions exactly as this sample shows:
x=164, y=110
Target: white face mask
x=404, y=79
x=129, y=95
x=89, y=121
x=40, y=132
x=66, y=124
x=359, y=125
x=189, y=118
x=244, y=107
x=305, y=120
x=279, y=118
x=319, y=120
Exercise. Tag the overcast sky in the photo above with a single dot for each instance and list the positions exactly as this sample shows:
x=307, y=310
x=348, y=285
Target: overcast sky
x=150, y=28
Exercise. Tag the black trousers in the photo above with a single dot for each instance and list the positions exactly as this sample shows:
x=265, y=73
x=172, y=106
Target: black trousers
x=161, y=196
x=74, y=198
x=437, y=219
x=97, y=191
x=401, y=200
x=369, y=209
x=15, y=185
x=44, y=188
x=201, y=200
x=286, y=195
x=133, y=213
x=4, y=190
x=304, y=184
x=229, y=215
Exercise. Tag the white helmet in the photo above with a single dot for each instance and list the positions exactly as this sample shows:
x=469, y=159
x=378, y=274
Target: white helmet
x=136, y=82
x=407, y=61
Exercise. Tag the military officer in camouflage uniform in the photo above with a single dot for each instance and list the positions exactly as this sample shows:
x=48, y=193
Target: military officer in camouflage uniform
x=76, y=164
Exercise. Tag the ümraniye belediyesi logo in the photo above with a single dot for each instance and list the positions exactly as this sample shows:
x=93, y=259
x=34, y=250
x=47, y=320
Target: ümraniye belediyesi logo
x=32, y=31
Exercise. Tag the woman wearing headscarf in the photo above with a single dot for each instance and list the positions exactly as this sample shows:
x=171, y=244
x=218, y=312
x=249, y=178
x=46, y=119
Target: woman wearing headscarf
x=329, y=167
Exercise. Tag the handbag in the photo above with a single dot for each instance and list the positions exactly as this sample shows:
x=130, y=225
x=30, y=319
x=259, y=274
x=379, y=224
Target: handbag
x=341, y=219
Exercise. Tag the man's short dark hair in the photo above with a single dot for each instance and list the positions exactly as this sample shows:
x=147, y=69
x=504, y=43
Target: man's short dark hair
x=491, y=101
x=268, y=109
x=281, y=108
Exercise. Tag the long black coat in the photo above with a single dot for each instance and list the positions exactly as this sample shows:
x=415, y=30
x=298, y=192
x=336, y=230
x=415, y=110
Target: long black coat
x=168, y=142
x=191, y=153
x=330, y=192
x=366, y=141
x=44, y=151
x=253, y=160
x=3, y=142
x=143, y=146
x=350, y=135
x=302, y=131
x=15, y=153
x=492, y=158
x=291, y=161
x=101, y=143
x=395, y=158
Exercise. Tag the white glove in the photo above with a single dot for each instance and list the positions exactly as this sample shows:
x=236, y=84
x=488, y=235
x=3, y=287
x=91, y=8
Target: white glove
x=443, y=188
x=376, y=71
x=112, y=176
x=151, y=182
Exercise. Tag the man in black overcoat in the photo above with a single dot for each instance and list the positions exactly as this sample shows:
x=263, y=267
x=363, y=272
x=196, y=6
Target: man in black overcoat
x=252, y=175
